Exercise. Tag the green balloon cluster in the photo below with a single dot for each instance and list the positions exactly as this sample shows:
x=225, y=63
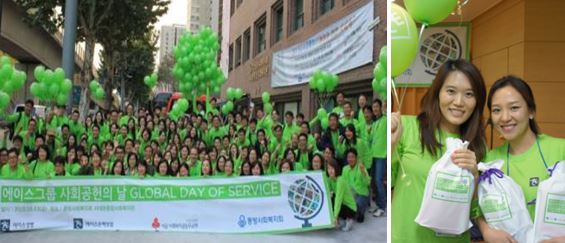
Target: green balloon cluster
x=322, y=81
x=10, y=80
x=150, y=80
x=234, y=94
x=179, y=108
x=430, y=11
x=195, y=66
x=380, y=73
x=51, y=85
x=96, y=90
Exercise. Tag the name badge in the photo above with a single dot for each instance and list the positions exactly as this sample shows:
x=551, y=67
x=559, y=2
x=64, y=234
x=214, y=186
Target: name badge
x=534, y=181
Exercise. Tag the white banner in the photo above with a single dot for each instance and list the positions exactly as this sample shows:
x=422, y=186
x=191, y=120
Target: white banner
x=344, y=45
x=279, y=203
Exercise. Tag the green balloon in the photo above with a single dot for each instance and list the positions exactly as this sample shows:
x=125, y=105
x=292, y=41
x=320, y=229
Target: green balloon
x=62, y=99
x=313, y=83
x=382, y=56
x=404, y=38
x=34, y=89
x=382, y=85
x=379, y=72
x=93, y=85
x=229, y=105
x=6, y=72
x=430, y=11
x=375, y=85
x=238, y=93
x=54, y=89
x=322, y=113
x=49, y=77
x=268, y=108
x=4, y=100
x=230, y=93
x=320, y=84
x=59, y=75
x=266, y=97
x=225, y=110
x=39, y=73
x=99, y=93
x=147, y=81
x=183, y=103
x=216, y=90
x=324, y=123
x=9, y=86
x=66, y=86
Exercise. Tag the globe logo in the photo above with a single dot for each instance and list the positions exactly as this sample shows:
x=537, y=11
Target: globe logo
x=438, y=48
x=305, y=198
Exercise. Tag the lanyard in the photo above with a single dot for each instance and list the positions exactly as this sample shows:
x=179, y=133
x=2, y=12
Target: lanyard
x=508, y=158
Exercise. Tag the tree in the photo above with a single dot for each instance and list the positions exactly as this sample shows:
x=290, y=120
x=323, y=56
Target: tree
x=135, y=60
x=99, y=21
x=165, y=67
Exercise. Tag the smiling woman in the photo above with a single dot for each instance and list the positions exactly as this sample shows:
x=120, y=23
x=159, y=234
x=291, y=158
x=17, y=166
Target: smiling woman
x=528, y=154
x=452, y=107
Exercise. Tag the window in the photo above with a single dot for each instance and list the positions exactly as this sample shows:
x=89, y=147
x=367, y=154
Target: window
x=260, y=34
x=230, y=58
x=297, y=7
x=237, y=52
x=326, y=6
x=277, y=13
x=246, y=45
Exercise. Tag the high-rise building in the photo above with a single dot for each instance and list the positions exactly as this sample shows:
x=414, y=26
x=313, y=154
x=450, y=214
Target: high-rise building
x=169, y=37
x=275, y=46
x=202, y=13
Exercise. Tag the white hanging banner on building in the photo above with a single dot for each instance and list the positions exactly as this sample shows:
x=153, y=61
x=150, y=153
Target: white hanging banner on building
x=342, y=46
x=279, y=203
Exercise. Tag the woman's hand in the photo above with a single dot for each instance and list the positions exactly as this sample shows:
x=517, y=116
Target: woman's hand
x=491, y=235
x=395, y=129
x=466, y=159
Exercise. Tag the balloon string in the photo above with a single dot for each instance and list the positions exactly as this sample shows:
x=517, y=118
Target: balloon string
x=395, y=94
x=420, y=36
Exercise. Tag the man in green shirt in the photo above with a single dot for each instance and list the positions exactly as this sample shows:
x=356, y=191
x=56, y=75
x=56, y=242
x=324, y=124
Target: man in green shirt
x=378, y=147
x=21, y=119
x=13, y=169
x=289, y=127
x=339, y=99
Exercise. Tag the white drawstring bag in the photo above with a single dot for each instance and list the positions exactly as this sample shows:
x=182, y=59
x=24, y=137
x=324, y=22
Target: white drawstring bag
x=447, y=198
x=502, y=202
x=550, y=205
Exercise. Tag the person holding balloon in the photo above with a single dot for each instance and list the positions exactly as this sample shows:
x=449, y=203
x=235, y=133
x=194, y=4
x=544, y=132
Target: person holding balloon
x=452, y=107
x=528, y=154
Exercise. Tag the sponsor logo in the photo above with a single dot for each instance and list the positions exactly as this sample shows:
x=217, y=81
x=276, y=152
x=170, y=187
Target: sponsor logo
x=4, y=225
x=78, y=223
x=305, y=199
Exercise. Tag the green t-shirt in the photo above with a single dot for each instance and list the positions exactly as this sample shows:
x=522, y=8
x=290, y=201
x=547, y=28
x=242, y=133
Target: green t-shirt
x=21, y=119
x=358, y=180
x=529, y=165
x=413, y=165
x=363, y=152
x=43, y=169
x=196, y=169
x=378, y=138
x=18, y=173
x=343, y=195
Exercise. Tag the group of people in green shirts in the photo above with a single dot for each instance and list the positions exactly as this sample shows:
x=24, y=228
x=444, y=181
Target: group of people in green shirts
x=453, y=107
x=351, y=150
